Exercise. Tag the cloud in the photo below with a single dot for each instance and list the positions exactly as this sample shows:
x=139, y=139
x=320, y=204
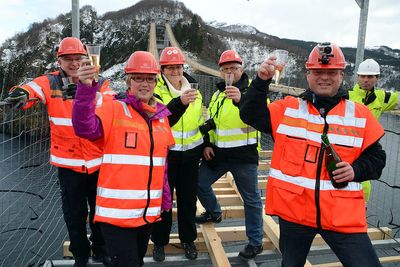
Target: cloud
x=309, y=20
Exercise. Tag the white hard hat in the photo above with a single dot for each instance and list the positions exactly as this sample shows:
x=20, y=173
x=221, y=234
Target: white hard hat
x=369, y=67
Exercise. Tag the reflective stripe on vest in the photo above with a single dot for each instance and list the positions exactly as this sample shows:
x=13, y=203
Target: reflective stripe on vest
x=178, y=136
x=347, y=120
x=38, y=90
x=230, y=130
x=127, y=194
x=185, y=131
x=61, y=121
x=180, y=147
x=340, y=139
x=299, y=189
x=226, y=144
x=76, y=162
x=132, y=160
x=126, y=213
x=132, y=173
x=310, y=183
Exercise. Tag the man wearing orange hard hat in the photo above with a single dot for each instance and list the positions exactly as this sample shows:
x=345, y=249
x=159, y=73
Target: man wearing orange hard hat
x=325, y=146
x=78, y=160
x=231, y=145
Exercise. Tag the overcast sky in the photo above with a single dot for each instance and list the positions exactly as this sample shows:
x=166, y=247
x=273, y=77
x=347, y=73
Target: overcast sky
x=309, y=20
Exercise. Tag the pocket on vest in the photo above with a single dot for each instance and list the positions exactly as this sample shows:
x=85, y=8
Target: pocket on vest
x=348, y=208
x=293, y=153
x=288, y=200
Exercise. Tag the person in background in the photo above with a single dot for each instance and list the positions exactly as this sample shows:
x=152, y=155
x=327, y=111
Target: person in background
x=377, y=100
x=174, y=90
x=299, y=189
x=132, y=188
x=231, y=145
x=78, y=160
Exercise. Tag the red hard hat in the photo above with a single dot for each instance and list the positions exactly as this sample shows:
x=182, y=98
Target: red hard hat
x=142, y=62
x=71, y=46
x=326, y=56
x=172, y=56
x=229, y=56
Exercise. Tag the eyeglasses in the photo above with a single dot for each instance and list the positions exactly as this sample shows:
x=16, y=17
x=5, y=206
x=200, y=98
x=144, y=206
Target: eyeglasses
x=72, y=59
x=230, y=69
x=139, y=79
x=174, y=67
x=327, y=72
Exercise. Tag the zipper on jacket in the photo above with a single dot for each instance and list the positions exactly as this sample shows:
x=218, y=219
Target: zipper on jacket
x=319, y=169
x=317, y=187
x=150, y=170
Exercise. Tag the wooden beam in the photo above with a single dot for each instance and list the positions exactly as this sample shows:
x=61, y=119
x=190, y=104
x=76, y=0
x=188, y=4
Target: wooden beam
x=224, y=191
x=229, y=200
x=265, y=154
x=214, y=246
x=264, y=165
x=271, y=230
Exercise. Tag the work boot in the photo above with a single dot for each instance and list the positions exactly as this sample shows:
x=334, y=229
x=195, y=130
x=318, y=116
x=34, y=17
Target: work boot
x=101, y=257
x=158, y=253
x=207, y=217
x=80, y=263
x=190, y=250
x=250, y=252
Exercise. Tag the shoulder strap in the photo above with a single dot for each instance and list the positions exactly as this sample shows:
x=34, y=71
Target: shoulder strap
x=387, y=97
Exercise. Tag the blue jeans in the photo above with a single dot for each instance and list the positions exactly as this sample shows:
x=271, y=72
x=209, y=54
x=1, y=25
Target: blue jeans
x=245, y=175
x=353, y=250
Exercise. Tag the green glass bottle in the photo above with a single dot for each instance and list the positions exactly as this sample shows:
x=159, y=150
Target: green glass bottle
x=331, y=159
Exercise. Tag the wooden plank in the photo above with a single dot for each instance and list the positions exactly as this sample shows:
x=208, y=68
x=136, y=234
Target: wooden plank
x=224, y=191
x=265, y=154
x=214, y=246
x=271, y=230
x=229, y=200
x=264, y=165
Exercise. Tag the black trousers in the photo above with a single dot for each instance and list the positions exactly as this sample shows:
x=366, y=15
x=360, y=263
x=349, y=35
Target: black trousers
x=353, y=250
x=78, y=192
x=126, y=246
x=183, y=176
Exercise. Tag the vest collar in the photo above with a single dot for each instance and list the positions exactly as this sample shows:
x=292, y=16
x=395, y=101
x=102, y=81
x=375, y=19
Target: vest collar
x=367, y=96
x=136, y=103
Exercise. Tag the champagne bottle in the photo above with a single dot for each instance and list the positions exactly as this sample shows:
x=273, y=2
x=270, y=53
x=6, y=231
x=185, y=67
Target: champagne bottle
x=331, y=159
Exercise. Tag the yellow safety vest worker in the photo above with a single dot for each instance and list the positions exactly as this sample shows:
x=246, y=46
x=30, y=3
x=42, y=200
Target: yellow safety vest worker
x=377, y=101
x=186, y=131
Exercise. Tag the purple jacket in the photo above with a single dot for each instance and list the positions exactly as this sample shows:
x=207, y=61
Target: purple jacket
x=87, y=125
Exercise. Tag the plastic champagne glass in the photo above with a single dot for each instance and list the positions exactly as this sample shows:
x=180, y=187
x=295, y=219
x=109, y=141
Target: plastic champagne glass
x=281, y=59
x=94, y=56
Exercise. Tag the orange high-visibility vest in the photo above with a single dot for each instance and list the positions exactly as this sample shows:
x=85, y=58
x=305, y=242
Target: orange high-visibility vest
x=129, y=189
x=67, y=150
x=298, y=183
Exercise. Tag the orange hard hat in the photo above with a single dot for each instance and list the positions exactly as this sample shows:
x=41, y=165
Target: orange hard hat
x=142, y=62
x=326, y=56
x=172, y=56
x=229, y=56
x=71, y=46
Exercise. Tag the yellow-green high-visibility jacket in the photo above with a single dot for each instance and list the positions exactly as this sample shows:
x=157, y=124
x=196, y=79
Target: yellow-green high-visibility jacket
x=230, y=130
x=377, y=101
x=186, y=131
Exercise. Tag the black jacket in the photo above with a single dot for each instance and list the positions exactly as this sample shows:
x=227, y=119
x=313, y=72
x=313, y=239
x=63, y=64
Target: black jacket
x=368, y=166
